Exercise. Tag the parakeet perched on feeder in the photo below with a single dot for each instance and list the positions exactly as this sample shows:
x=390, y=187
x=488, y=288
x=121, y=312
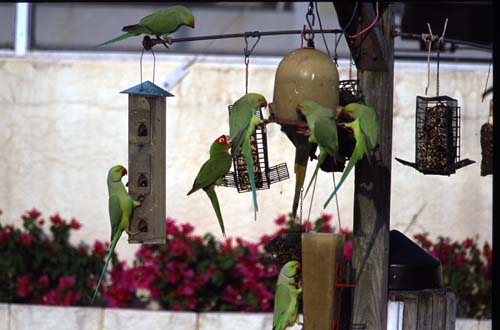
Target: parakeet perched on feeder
x=212, y=172
x=323, y=131
x=286, y=308
x=242, y=123
x=120, y=205
x=366, y=130
x=160, y=24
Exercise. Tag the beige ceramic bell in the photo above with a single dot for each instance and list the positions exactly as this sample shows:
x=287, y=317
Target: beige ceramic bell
x=305, y=73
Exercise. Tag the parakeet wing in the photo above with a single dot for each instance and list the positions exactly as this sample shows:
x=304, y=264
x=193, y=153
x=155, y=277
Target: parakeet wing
x=115, y=213
x=239, y=119
x=368, y=123
x=162, y=21
x=282, y=300
x=325, y=131
x=209, y=172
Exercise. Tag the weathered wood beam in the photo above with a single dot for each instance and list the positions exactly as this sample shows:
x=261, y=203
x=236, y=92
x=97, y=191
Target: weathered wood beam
x=372, y=194
x=369, y=51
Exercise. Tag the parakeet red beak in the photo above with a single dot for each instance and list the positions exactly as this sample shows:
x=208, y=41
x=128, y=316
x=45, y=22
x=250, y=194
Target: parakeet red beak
x=299, y=267
x=297, y=109
x=124, y=171
x=264, y=104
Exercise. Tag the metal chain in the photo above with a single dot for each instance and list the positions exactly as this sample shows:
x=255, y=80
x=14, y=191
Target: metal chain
x=247, y=52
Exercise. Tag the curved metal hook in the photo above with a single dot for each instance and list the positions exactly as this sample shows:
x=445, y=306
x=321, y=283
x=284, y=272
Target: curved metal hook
x=246, y=51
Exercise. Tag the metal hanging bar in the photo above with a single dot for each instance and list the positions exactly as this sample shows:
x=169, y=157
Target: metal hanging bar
x=151, y=42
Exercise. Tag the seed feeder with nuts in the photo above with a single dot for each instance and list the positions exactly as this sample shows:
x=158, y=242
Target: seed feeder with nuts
x=437, y=131
x=264, y=175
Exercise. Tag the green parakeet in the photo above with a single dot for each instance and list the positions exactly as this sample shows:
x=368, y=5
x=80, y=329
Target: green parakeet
x=242, y=122
x=286, y=308
x=120, y=205
x=160, y=23
x=323, y=131
x=366, y=130
x=212, y=172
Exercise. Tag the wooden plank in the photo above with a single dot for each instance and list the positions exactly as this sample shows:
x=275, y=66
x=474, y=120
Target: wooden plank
x=369, y=51
x=372, y=199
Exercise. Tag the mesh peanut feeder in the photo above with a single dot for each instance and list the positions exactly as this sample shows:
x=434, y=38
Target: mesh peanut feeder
x=264, y=174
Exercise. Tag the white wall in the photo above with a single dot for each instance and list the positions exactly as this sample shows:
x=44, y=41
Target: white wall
x=64, y=124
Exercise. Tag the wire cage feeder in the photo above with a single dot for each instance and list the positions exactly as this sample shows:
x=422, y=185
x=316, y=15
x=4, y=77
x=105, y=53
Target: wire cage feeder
x=350, y=92
x=437, y=136
x=263, y=174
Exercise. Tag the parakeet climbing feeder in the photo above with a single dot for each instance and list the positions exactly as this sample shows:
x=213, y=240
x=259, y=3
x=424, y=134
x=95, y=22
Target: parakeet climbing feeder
x=437, y=135
x=264, y=174
x=146, y=166
x=350, y=92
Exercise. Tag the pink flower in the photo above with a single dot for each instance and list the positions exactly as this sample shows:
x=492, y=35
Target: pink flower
x=3, y=237
x=32, y=214
x=98, y=249
x=41, y=222
x=43, y=281
x=348, y=250
x=74, y=224
x=326, y=217
x=23, y=286
x=468, y=242
x=26, y=239
x=82, y=250
x=281, y=220
x=459, y=260
x=66, y=282
x=187, y=228
x=56, y=219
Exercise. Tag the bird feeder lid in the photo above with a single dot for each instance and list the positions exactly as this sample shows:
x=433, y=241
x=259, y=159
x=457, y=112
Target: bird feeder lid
x=305, y=73
x=147, y=88
x=410, y=266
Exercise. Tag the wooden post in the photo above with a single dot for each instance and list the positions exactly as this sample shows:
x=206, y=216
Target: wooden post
x=322, y=254
x=147, y=140
x=372, y=194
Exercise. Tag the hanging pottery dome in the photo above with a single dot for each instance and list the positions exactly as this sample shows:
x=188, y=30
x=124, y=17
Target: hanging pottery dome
x=305, y=73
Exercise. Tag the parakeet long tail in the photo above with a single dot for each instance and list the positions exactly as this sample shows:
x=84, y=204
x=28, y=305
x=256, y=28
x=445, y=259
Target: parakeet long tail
x=122, y=37
x=356, y=155
x=321, y=159
x=247, y=154
x=215, y=204
x=108, y=257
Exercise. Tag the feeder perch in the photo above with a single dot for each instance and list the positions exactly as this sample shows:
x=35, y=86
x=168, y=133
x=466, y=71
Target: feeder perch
x=437, y=134
x=146, y=150
x=264, y=175
x=350, y=92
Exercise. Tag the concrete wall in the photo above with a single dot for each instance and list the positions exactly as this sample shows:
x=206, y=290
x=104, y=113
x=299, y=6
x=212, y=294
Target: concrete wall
x=64, y=124
x=24, y=317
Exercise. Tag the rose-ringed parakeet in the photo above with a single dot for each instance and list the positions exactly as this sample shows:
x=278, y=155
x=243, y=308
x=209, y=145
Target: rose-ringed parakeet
x=242, y=122
x=160, y=23
x=120, y=205
x=286, y=308
x=323, y=132
x=212, y=172
x=366, y=130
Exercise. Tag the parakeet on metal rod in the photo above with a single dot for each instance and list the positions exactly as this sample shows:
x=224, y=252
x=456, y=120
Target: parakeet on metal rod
x=160, y=24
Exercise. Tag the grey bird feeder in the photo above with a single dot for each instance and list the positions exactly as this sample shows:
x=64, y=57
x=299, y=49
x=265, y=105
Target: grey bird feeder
x=146, y=165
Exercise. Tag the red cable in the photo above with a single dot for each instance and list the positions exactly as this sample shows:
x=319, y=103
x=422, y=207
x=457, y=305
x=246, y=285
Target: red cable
x=368, y=27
